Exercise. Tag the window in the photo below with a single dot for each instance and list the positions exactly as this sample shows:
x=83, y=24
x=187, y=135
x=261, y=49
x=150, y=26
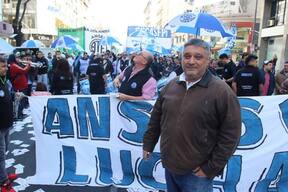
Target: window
x=278, y=9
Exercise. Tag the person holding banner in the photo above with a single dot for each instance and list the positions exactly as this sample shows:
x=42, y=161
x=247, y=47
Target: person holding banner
x=6, y=114
x=136, y=81
x=198, y=118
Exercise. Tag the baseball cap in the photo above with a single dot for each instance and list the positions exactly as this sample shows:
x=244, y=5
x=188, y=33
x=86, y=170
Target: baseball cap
x=17, y=54
x=266, y=62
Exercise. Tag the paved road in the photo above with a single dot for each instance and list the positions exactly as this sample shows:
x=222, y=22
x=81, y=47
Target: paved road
x=21, y=159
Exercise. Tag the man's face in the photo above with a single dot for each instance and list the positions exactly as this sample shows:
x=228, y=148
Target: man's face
x=253, y=62
x=58, y=55
x=17, y=59
x=269, y=67
x=195, y=61
x=39, y=55
x=224, y=60
x=286, y=67
x=3, y=69
x=85, y=55
x=141, y=58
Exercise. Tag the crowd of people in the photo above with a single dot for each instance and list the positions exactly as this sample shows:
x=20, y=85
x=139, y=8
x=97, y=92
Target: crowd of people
x=135, y=76
x=61, y=74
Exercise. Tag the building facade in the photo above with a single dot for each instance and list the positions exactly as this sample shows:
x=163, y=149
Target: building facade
x=44, y=17
x=241, y=13
x=274, y=30
x=1, y=11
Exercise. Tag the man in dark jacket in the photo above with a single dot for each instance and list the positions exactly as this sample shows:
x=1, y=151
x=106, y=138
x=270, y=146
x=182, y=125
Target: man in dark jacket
x=6, y=122
x=96, y=74
x=229, y=68
x=42, y=68
x=269, y=78
x=199, y=129
x=248, y=81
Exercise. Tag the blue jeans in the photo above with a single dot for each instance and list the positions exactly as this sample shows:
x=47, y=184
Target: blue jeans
x=187, y=183
x=4, y=141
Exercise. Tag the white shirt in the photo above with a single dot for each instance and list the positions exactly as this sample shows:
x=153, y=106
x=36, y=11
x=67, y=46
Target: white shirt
x=188, y=84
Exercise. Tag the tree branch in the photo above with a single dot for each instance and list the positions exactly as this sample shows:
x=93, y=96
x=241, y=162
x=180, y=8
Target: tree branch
x=15, y=21
x=24, y=10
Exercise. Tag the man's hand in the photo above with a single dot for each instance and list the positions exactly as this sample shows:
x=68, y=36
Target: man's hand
x=123, y=96
x=199, y=172
x=117, y=82
x=146, y=155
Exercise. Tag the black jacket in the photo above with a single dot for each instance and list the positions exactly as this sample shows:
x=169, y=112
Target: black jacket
x=133, y=86
x=43, y=68
x=62, y=84
x=6, y=107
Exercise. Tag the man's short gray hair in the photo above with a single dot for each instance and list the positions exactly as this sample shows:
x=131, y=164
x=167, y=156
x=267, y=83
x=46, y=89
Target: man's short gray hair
x=198, y=43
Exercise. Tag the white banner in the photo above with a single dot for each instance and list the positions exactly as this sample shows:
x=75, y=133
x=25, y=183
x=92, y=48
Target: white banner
x=97, y=141
x=152, y=39
x=92, y=39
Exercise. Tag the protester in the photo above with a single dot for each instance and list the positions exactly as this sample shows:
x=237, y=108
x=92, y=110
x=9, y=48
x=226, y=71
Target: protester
x=56, y=58
x=268, y=77
x=199, y=129
x=52, y=69
x=32, y=73
x=19, y=79
x=81, y=68
x=241, y=63
x=116, y=66
x=248, y=81
x=107, y=64
x=282, y=80
x=136, y=82
x=42, y=68
x=178, y=68
x=212, y=67
x=96, y=75
x=62, y=83
x=6, y=114
x=124, y=62
x=229, y=68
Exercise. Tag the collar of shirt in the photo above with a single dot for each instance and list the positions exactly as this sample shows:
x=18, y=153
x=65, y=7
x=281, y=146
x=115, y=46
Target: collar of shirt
x=188, y=84
x=135, y=71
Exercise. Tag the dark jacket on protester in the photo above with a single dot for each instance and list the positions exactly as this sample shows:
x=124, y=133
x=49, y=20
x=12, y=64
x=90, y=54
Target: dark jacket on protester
x=6, y=109
x=43, y=68
x=95, y=72
x=62, y=84
x=133, y=86
x=197, y=126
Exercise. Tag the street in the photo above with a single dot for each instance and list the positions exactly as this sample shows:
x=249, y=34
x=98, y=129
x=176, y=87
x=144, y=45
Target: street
x=21, y=160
